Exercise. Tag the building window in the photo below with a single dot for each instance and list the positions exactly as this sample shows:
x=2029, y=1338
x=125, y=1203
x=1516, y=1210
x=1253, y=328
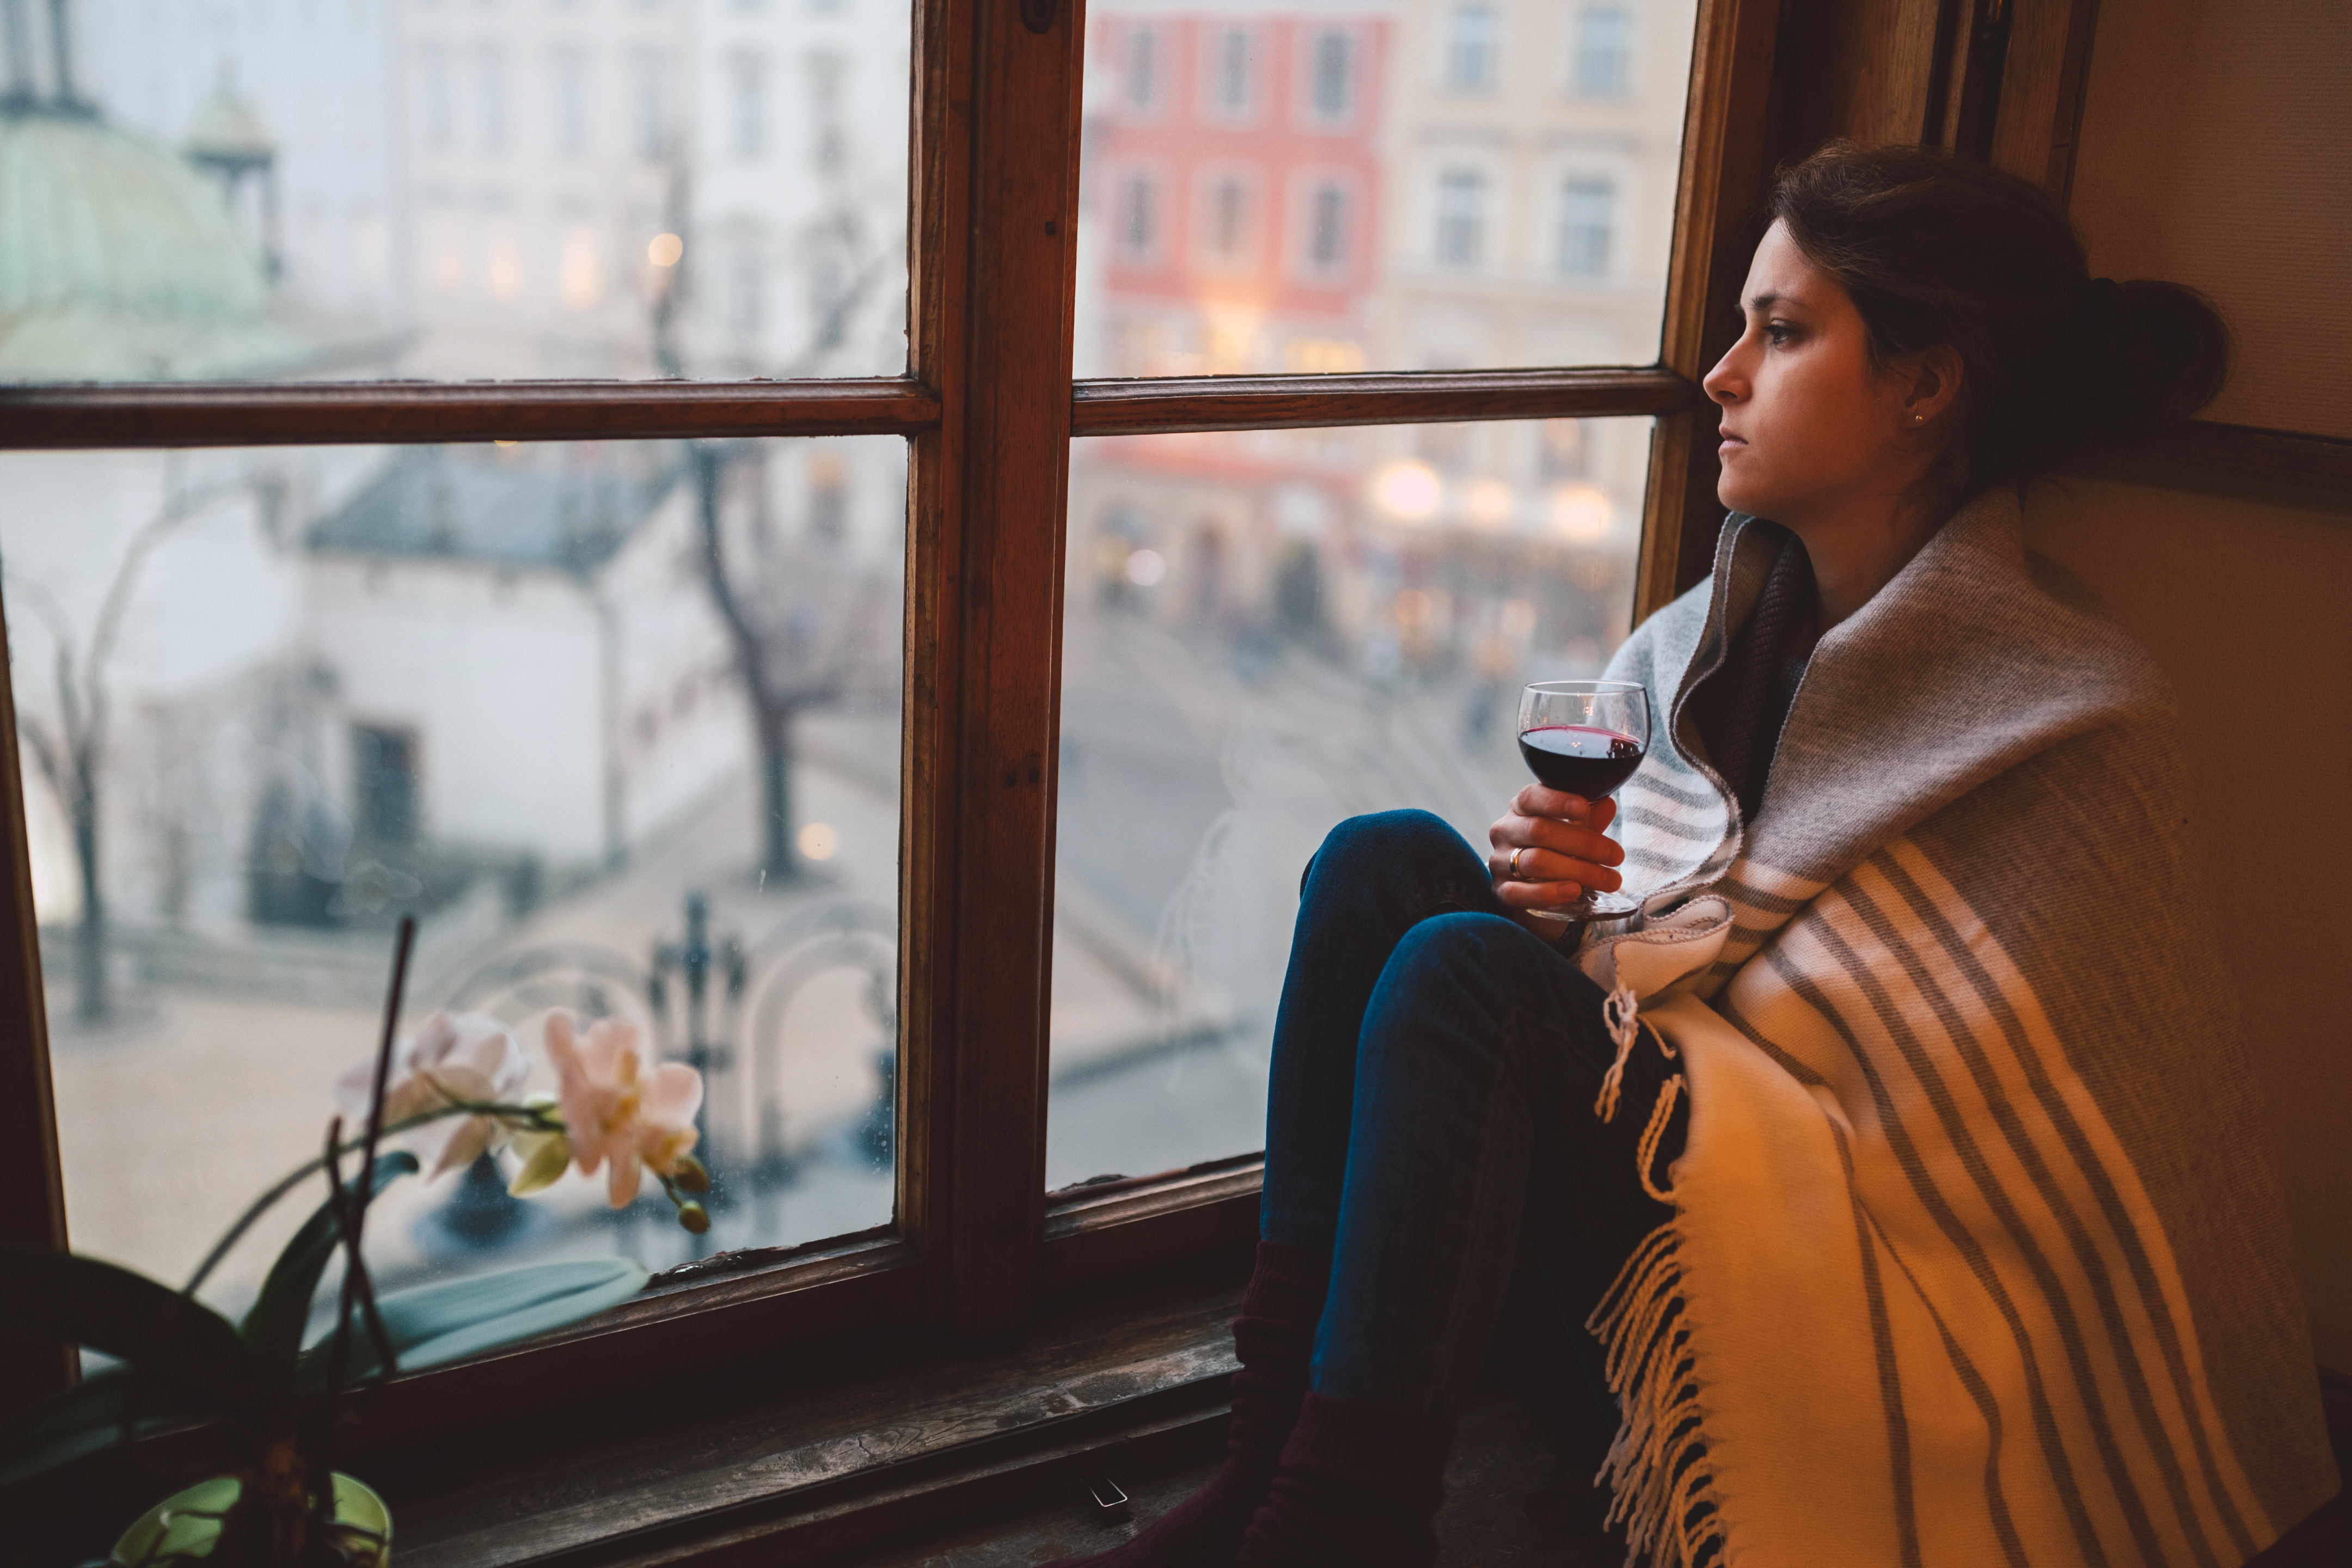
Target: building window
x=1225, y=226
x=828, y=146
x=649, y=104
x=1331, y=77
x=436, y=108
x=1460, y=217
x=1139, y=217
x=1327, y=228
x=746, y=291
x=747, y=83
x=567, y=93
x=1474, y=47
x=1232, y=68
x=1604, y=51
x=1143, y=81
x=490, y=100
x=1587, y=213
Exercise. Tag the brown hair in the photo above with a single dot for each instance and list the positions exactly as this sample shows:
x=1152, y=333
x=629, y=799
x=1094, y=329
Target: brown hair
x=1937, y=251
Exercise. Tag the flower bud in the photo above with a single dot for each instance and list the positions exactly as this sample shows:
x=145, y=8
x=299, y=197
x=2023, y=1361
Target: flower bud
x=691, y=1174
x=694, y=1217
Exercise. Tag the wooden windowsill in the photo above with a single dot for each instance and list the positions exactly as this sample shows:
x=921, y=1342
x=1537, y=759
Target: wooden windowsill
x=807, y=1453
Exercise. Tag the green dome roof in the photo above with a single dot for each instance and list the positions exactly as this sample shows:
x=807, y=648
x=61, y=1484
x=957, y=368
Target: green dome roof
x=94, y=216
x=120, y=262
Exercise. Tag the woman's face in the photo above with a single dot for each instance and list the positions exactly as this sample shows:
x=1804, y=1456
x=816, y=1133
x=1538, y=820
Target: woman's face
x=1811, y=430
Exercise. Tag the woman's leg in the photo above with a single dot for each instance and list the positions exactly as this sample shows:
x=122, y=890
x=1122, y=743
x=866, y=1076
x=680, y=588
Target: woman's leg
x=1482, y=1051
x=1374, y=879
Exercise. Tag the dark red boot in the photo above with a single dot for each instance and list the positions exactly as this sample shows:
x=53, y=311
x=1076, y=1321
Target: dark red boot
x=1273, y=1339
x=1357, y=1487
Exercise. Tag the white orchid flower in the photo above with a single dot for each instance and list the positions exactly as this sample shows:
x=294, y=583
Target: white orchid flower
x=614, y=1109
x=457, y=1058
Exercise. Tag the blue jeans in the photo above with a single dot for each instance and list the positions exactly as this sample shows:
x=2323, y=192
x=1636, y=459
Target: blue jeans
x=1430, y=1118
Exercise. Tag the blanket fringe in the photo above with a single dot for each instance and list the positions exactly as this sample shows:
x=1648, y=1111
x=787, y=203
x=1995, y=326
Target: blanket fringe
x=1621, y=1011
x=1656, y=1468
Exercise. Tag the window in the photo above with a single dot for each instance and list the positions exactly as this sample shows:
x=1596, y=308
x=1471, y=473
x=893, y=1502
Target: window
x=747, y=81
x=1224, y=221
x=440, y=637
x=1460, y=217
x=1586, y=212
x=1331, y=77
x=1604, y=51
x=1327, y=228
x=1139, y=217
x=1142, y=78
x=828, y=136
x=747, y=284
x=490, y=128
x=437, y=103
x=1474, y=48
x=567, y=96
x=1231, y=72
x=649, y=126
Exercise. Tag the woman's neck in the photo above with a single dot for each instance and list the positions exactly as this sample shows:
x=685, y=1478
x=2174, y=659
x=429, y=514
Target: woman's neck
x=1856, y=553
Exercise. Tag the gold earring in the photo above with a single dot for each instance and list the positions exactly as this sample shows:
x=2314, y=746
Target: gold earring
x=1919, y=419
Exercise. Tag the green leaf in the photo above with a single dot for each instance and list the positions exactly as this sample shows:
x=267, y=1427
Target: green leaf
x=457, y=1318
x=273, y=1329
x=87, y=1417
x=48, y=1295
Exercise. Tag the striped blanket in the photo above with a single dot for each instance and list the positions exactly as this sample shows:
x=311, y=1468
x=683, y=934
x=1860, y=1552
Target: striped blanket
x=1978, y=1257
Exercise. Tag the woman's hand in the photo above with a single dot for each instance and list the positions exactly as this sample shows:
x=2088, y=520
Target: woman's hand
x=1549, y=849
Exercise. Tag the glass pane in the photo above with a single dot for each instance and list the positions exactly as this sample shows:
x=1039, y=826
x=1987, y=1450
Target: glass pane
x=1268, y=632
x=1441, y=184
x=457, y=189
x=494, y=686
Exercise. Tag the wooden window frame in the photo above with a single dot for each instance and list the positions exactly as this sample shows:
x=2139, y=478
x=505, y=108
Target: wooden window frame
x=988, y=406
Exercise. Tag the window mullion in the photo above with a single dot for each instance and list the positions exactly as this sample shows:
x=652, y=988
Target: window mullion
x=1726, y=124
x=988, y=1192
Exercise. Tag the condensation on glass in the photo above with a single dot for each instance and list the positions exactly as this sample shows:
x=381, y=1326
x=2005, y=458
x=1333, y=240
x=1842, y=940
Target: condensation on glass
x=502, y=688
x=447, y=189
x=1378, y=184
x=1268, y=632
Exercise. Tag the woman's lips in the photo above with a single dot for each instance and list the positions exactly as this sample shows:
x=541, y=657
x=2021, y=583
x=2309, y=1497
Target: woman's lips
x=1730, y=440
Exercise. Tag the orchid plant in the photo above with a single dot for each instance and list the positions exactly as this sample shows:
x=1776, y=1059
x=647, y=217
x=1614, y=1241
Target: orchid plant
x=448, y=1094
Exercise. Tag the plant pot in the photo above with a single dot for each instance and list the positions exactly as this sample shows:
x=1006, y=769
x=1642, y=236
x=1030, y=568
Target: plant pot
x=173, y=1528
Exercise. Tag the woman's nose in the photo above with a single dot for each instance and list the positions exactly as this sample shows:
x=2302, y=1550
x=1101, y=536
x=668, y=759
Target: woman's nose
x=1724, y=383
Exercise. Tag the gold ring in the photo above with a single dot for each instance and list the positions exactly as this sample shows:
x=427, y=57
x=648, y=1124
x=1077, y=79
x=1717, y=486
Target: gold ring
x=1514, y=861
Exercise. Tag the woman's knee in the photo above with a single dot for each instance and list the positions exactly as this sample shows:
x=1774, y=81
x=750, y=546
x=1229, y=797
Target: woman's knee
x=1382, y=843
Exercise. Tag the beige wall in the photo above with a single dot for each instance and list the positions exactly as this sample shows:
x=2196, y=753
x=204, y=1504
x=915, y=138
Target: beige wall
x=2243, y=603
x=2216, y=151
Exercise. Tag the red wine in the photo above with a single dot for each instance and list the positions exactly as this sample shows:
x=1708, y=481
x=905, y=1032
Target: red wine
x=1580, y=760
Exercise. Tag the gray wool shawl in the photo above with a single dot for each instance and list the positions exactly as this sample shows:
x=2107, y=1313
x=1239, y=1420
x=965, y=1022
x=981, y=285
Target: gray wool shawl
x=1979, y=1256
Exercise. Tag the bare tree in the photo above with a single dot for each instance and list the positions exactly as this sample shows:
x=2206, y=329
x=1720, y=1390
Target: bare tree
x=800, y=628
x=71, y=751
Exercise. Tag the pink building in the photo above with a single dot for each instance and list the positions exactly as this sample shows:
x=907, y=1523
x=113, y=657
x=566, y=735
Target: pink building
x=1235, y=181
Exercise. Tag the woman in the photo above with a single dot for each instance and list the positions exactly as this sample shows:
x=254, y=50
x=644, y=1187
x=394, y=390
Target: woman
x=1900, y=1156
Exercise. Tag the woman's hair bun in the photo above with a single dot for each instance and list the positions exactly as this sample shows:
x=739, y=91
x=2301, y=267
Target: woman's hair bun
x=2156, y=353
x=1936, y=252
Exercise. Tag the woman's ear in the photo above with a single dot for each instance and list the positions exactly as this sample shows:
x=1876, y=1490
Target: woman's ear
x=1928, y=383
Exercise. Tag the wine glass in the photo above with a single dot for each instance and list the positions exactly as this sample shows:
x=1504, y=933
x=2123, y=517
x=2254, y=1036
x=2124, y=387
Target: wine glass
x=1585, y=737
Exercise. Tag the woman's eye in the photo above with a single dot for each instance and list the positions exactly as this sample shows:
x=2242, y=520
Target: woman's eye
x=1779, y=334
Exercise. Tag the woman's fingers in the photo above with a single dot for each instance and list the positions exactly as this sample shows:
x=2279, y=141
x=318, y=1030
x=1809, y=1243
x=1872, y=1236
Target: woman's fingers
x=1542, y=860
x=1543, y=868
